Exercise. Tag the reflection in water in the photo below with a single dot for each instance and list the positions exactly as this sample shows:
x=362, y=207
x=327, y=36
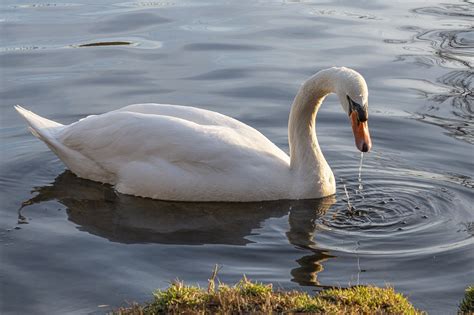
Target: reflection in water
x=453, y=49
x=461, y=92
x=301, y=234
x=457, y=101
x=99, y=210
x=447, y=9
x=412, y=226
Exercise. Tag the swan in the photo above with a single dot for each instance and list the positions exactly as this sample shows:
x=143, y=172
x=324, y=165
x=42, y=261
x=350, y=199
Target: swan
x=181, y=153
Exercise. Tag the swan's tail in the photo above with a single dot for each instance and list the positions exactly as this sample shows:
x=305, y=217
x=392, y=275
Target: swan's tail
x=40, y=127
x=49, y=131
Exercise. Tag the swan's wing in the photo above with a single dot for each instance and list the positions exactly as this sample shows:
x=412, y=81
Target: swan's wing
x=205, y=117
x=131, y=144
x=193, y=114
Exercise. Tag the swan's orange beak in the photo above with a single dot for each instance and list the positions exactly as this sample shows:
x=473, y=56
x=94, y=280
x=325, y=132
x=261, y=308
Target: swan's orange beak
x=361, y=133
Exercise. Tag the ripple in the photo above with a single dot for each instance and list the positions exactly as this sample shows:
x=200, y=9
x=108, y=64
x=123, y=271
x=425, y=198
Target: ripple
x=451, y=98
x=456, y=128
x=419, y=60
x=349, y=14
x=125, y=8
x=224, y=46
x=460, y=93
x=231, y=73
x=148, y=4
x=454, y=10
x=451, y=103
x=24, y=48
x=210, y=28
x=259, y=92
x=395, y=41
x=135, y=21
x=398, y=212
x=452, y=45
x=449, y=48
x=159, y=4
x=97, y=43
x=44, y=5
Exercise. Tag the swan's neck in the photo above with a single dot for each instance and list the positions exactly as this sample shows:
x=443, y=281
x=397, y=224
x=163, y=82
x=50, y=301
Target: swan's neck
x=307, y=160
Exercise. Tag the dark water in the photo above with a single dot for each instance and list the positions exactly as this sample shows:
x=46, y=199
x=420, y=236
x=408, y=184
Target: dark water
x=85, y=246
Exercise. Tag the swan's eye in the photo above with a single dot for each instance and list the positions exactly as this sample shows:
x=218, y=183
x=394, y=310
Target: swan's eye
x=362, y=114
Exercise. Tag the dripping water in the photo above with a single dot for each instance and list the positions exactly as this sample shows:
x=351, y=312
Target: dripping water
x=360, y=172
x=351, y=209
x=349, y=206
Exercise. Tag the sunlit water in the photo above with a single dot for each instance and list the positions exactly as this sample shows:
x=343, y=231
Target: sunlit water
x=77, y=244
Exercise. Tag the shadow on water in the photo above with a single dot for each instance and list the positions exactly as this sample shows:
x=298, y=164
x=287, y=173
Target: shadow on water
x=99, y=210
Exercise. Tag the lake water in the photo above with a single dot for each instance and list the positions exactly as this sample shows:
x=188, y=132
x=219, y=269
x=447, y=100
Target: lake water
x=87, y=249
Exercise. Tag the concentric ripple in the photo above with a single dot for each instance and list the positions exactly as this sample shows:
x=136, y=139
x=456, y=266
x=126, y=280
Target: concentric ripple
x=398, y=211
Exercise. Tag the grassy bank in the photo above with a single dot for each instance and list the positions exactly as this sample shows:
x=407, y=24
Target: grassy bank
x=467, y=304
x=252, y=297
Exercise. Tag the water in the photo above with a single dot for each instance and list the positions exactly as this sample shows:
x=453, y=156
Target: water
x=412, y=225
x=361, y=186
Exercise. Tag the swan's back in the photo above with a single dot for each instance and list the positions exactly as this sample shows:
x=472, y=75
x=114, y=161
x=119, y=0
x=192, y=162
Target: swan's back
x=197, y=115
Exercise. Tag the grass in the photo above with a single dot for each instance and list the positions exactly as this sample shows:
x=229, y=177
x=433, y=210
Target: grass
x=467, y=304
x=253, y=297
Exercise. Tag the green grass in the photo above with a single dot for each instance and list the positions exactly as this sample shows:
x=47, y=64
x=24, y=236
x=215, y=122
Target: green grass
x=467, y=304
x=253, y=297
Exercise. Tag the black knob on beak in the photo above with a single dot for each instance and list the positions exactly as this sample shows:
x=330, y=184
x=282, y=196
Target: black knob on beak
x=365, y=148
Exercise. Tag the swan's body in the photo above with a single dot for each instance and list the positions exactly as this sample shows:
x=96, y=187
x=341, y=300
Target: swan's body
x=183, y=153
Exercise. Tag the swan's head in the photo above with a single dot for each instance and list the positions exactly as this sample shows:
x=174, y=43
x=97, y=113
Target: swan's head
x=353, y=95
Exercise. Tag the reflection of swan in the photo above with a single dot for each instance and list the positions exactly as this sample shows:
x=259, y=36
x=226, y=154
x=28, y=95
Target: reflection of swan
x=98, y=210
x=173, y=152
x=301, y=234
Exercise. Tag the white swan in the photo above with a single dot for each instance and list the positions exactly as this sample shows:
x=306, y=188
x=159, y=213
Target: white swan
x=184, y=153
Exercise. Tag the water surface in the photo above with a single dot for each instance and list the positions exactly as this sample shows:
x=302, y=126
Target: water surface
x=76, y=245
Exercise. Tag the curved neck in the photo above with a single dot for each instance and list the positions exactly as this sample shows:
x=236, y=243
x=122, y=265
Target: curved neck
x=305, y=154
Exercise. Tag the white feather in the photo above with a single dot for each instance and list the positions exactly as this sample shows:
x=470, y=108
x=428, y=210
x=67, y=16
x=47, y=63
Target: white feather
x=184, y=153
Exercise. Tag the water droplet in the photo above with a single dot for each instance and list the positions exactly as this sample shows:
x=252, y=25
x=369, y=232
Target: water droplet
x=360, y=171
x=349, y=206
x=22, y=219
